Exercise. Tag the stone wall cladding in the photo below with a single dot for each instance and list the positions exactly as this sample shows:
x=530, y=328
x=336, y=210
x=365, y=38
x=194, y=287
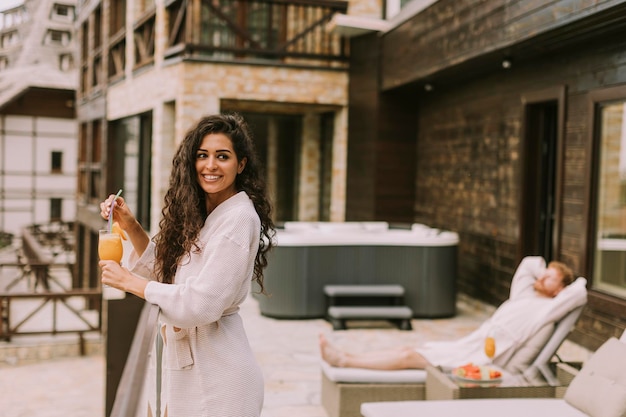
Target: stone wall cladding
x=197, y=89
x=367, y=8
x=188, y=90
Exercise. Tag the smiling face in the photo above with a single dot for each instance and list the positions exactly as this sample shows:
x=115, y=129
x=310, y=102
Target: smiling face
x=217, y=167
x=550, y=283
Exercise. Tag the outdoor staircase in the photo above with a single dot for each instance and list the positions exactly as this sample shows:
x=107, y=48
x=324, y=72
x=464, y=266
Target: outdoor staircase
x=367, y=302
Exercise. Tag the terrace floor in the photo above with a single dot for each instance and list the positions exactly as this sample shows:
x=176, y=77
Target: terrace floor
x=287, y=351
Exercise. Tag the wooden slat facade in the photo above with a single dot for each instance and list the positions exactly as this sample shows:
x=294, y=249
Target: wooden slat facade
x=468, y=132
x=382, y=128
x=452, y=33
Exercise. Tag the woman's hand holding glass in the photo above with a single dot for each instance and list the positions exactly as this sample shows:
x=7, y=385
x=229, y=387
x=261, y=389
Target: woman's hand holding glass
x=110, y=247
x=110, y=251
x=124, y=222
x=121, y=214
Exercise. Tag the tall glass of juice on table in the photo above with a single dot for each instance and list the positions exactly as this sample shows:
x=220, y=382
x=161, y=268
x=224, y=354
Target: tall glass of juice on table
x=490, y=347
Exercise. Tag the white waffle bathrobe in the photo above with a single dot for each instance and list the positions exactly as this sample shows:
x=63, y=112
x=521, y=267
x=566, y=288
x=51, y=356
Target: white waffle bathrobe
x=513, y=323
x=209, y=369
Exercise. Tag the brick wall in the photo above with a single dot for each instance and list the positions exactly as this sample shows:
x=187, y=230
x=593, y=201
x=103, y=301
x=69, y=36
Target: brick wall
x=469, y=174
x=195, y=89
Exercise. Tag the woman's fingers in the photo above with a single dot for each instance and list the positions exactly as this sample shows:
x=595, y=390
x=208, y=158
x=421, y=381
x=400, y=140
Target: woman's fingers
x=105, y=206
x=112, y=273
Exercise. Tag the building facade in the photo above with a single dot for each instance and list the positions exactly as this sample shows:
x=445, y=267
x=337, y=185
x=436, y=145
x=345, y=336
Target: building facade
x=38, y=130
x=149, y=69
x=501, y=120
x=510, y=115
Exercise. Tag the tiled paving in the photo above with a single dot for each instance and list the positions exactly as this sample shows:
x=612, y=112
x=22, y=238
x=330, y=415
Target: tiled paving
x=48, y=380
x=286, y=349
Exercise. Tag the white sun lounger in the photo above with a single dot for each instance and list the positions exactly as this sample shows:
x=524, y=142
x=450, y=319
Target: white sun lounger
x=598, y=390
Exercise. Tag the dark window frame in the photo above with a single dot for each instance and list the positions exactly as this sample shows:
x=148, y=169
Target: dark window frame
x=56, y=162
x=56, y=209
x=607, y=302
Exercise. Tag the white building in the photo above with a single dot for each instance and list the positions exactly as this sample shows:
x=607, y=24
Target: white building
x=38, y=129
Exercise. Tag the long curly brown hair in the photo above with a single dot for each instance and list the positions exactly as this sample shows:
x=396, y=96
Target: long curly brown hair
x=184, y=211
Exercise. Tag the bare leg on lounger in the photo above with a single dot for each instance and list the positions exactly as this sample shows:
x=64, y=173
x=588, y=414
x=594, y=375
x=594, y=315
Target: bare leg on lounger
x=391, y=359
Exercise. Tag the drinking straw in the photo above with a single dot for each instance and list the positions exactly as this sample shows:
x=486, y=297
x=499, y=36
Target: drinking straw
x=111, y=212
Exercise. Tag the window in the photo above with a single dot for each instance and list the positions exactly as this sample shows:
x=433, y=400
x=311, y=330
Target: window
x=130, y=148
x=66, y=62
x=57, y=37
x=4, y=62
x=56, y=162
x=97, y=28
x=9, y=39
x=609, y=252
x=90, y=162
x=84, y=58
x=228, y=25
x=117, y=16
x=62, y=12
x=56, y=209
x=393, y=7
x=13, y=18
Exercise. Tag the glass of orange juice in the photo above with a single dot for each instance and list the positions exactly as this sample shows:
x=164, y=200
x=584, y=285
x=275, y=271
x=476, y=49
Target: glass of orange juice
x=110, y=246
x=490, y=347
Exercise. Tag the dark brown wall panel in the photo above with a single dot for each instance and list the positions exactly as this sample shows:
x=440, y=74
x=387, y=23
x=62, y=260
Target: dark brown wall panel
x=381, y=150
x=468, y=170
x=362, y=128
x=451, y=33
x=395, y=177
x=43, y=102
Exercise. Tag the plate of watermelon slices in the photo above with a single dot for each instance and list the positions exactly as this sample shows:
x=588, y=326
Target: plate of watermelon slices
x=477, y=373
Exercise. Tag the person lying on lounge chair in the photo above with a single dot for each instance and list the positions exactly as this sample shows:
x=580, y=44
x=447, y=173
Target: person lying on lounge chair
x=538, y=296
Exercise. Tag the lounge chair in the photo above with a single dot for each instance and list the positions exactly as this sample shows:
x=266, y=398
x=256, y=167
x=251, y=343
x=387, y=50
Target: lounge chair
x=598, y=390
x=541, y=364
x=345, y=389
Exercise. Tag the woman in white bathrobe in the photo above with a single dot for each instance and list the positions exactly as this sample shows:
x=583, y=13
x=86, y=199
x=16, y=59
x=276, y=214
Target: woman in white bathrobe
x=213, y=239
x=538, y=295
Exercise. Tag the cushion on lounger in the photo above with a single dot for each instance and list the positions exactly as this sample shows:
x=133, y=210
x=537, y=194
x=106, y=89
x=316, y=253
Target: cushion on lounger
x=517, y=364
x=358, y=375
x=599, y=389
x=526, y=354
x=476, y=407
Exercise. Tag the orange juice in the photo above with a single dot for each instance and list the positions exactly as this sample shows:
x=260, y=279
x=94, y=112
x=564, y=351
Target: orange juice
x=490, y=347
x=110, y=246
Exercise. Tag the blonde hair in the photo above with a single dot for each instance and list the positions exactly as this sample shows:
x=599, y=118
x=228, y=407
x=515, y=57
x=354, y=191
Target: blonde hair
x=566, y=272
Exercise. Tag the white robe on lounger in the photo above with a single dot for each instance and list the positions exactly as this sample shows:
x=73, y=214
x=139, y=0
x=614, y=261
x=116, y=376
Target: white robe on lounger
x=513, y=323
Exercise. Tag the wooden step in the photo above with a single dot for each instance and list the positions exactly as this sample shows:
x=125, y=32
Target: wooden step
x=370, y=312
x=401, y=315
x=364, y=290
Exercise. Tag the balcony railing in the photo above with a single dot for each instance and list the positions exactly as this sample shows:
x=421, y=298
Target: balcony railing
x=144, y=32
x=117, y=56
x=265, y=31
x=63, y=312
x=36, y=291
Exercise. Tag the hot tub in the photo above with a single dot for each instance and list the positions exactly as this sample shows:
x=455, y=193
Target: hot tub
x=309, y=256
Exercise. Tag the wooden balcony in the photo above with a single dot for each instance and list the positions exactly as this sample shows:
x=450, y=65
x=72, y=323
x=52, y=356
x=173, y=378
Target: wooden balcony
x=268, y=32
x=144, y=32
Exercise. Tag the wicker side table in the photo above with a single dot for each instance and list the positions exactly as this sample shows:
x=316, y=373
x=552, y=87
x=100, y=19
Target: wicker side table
x=442, y=385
